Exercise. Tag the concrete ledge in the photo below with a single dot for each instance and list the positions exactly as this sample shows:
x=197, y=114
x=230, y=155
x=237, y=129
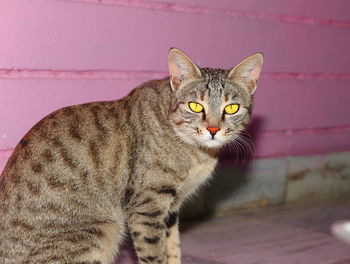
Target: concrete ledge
x=318, y=176
x=271, y=181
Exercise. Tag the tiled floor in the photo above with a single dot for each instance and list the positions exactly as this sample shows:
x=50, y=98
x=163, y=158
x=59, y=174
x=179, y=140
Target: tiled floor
x=293, y=234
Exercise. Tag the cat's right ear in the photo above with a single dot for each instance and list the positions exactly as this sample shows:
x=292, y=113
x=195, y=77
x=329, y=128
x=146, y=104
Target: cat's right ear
x=181, y=68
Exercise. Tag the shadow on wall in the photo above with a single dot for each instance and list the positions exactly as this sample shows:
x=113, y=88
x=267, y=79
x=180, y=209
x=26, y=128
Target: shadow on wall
x=234, y=184
x=241, y=152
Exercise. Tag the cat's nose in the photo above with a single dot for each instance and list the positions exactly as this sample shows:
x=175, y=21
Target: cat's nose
x=213, y=130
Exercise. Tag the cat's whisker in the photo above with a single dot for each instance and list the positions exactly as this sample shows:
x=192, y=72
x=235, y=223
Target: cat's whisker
x=235, y=147
x=248, y=150
x=249, y=138
x=249, y=146
x=244, y=146
x=235, y=151
x=243, y=150
x=248, y=143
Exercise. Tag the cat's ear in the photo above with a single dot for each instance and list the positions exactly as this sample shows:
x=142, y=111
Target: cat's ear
x=181, y=68
x=248, y=71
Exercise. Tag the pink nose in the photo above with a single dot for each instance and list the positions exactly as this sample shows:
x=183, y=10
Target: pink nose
x=213, y=130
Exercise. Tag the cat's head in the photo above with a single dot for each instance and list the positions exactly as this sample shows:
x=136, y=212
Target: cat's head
x=210, y=107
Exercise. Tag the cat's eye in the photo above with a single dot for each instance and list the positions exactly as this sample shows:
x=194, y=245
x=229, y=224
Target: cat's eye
x=195, y=107
x=231, y=109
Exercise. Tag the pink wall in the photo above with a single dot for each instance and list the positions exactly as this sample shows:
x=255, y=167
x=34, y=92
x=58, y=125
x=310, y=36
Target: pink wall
x=56, y=53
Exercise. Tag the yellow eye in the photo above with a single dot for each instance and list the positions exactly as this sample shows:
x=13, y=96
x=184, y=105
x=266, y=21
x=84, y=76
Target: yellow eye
x=231, y=109
x=195, y=107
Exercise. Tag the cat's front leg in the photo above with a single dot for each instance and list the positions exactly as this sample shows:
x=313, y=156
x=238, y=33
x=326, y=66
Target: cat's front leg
x=148, y=227
x=173, y=239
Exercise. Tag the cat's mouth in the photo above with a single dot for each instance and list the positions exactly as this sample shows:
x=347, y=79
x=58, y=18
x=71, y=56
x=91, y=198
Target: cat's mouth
x=212, y=142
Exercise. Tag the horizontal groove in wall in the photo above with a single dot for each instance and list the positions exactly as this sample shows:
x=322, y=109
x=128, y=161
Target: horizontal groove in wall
x=130, y=74
x=306, y=76
x=229, y=12
x=306, y=131
x=78, y=74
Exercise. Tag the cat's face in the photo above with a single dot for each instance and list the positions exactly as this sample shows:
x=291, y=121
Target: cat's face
x=210, y=107
x=211, y=112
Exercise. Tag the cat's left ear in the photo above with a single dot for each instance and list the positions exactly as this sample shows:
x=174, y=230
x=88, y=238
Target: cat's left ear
x=248, y=71
x=181, y=68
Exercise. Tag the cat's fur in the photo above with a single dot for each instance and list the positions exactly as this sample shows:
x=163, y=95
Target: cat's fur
x=85, y=174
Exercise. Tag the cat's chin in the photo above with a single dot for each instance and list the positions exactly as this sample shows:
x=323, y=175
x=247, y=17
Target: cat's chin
x=209, y=144
x=212, y=144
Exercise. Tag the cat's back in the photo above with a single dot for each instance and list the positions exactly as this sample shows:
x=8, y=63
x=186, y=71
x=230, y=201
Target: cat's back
x=61, y=153
x=67, y=148
x=72, y=127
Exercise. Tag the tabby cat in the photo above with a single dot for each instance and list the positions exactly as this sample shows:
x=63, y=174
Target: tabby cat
x=86, y=175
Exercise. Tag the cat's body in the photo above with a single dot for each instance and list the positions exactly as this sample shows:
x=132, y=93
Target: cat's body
x=85, y=174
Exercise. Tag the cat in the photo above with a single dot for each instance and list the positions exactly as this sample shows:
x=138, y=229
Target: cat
x=87, y=175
